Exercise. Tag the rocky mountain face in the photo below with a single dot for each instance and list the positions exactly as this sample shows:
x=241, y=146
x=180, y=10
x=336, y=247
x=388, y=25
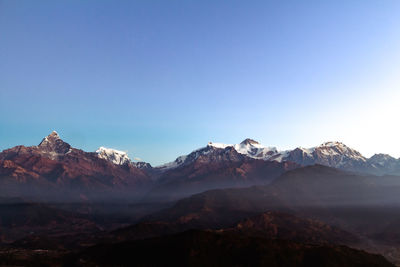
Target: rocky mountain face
x=53, y=145
x=384, y=162
x=208, y=154
x=142, y=165
x=55, y=169
x=332, y=154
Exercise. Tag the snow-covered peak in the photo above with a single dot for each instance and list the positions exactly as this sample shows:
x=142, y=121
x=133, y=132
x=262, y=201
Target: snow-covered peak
x=338, y=148
x=52, y=137
x=335, y=147
x=54, y=134
x=334, y=154
x=249, y=141
x=53, y=144
x=254, y=149
x=182, y=160
x=115, y=156
x=248, y=147
x=382, y=159
x=217, y=145
x=382, y=156
x=142, y=165
x=332, y=144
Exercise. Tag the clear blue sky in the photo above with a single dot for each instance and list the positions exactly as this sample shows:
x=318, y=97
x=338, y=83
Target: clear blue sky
x=161, y=78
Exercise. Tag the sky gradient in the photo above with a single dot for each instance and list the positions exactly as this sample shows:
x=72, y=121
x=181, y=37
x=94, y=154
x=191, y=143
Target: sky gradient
x=161, y=78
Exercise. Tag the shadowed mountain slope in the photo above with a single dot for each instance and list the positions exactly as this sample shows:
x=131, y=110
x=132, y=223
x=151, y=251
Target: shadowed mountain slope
x=296, y=190
x=218, y=168
x=205, y=248
x=19, y=219
x=284, y=226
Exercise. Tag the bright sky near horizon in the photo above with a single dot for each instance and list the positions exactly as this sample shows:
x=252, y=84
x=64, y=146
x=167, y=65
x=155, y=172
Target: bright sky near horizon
x=161, y=78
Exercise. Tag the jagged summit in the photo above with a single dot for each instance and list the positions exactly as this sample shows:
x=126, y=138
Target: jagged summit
x=54, y=144
x=249, y=141
x=389, y=163
x=332, y=143
x=333, y=148
x=254, y=149
x=335, y=145
x=52, y=136
x=54, y=133
x=381, y=156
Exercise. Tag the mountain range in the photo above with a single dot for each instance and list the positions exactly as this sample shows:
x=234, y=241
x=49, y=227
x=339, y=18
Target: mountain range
x=302, y=202
x=332, y=154
x=54, y=169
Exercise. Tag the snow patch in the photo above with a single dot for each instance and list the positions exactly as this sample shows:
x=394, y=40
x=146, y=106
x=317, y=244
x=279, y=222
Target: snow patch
x=115, y=156
x=218, y=145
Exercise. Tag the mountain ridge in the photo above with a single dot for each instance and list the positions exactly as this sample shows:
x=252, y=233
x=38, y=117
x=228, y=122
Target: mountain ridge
x=333, y=154
x=54, y=168
x=54, y=165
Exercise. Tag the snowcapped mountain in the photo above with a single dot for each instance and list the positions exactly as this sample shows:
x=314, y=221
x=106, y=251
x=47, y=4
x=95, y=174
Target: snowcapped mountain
x=212, y=152
x=120, y=158
x=64, y=172
x=53, y=145
x=385, y=162
x=247, y=148
x=332, y=154
x=115, y=156
x=55, y=166
x=142, y=165
x=214, y=166
x=382, y=160
x=255, y=150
